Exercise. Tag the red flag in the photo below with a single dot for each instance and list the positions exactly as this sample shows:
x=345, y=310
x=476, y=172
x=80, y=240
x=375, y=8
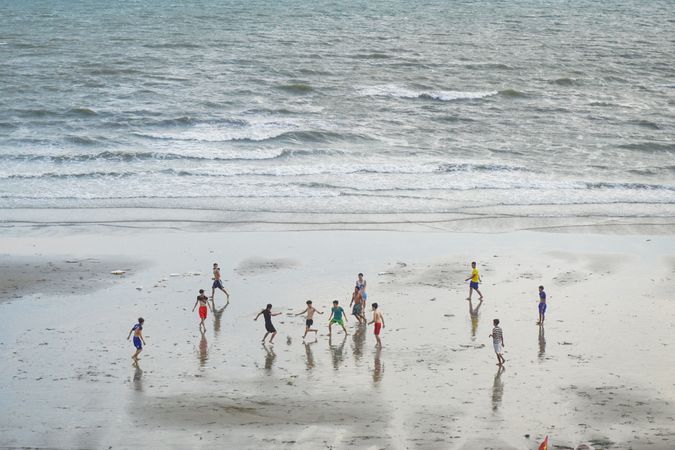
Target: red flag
x=544, y=445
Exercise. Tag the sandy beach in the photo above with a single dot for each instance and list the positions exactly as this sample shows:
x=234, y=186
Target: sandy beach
x=600, y=371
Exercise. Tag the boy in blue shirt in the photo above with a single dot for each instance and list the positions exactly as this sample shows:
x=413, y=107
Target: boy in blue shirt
x=139, y=342
x=542, y=305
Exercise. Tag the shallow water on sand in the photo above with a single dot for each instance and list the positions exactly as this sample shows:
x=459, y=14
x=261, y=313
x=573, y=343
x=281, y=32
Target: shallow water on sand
x=599, y=372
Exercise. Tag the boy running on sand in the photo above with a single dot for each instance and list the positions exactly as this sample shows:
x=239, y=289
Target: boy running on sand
x=378, y=320
x=267, y=314
x=138, y=338
x=542, y=305
x=203, y=301
x=310, y=310
x=475, y=279
x=217, y=283
x=357, y=301
x=498, y=342
x=336, y=314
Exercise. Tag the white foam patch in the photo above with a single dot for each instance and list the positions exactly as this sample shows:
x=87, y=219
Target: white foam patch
x=253, y=129
x=391, y=90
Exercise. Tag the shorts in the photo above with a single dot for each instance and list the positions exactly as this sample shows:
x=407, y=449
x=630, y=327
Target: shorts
x=356, y=310
x=542, y=307
x=309, y=323
x=498, y=347
x=473, y=285
x=378, y=328
x=364, y=295
x=137, y=343
x=339, y=322
x=202, y=312
x=218, y=284
x=270, y=328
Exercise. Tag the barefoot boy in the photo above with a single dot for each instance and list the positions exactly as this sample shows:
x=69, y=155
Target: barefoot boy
x=310, y=310
x=542, y=305
x=203, y=301
x=336, y=316
x=217, y=283
x=475, y=279
x=498, y=342
x=357, y=301
x=361, y=285
x=267, y=314
x=378, y=320
x=139, y=342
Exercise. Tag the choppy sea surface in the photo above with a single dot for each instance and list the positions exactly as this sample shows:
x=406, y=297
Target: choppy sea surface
x=340, y=107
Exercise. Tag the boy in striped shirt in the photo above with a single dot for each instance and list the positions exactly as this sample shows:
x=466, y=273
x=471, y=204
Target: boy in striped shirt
x=498, y=342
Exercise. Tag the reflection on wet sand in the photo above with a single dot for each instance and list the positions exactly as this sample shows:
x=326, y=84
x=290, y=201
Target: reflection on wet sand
x=473, y=314
x=498, y=389
x=308, y=353
x=203, y=350
x=359, y=339
x=542, y=343
x=138, y=377
x=270, y=356
x=217, y=315
x=378, y=370
x=336, y=351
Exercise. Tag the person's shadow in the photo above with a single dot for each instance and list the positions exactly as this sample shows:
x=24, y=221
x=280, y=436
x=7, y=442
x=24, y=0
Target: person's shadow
x=308, y=353
x=498, y=389
x=138, y=377
x=270, y=356
x=203, y=350
x=473, y=314
x=542, y=343
x=217, y=315
x=378, y=369
x=337, y=351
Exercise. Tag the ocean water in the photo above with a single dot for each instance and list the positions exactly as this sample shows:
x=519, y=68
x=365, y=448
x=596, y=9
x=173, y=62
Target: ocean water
x=526, y=107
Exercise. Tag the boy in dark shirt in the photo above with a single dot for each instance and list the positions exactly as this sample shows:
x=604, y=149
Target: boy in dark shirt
x=267, y=314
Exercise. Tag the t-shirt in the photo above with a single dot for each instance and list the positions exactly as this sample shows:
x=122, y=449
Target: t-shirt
x=497, y=335
x=474, y=275
x=202, y=298
x=267, y=314
x=337, y=312
x=542, y=297
x=138, y=326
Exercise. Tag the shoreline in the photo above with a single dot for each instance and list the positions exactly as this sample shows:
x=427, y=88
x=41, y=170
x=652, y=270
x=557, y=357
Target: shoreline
x=206, y=220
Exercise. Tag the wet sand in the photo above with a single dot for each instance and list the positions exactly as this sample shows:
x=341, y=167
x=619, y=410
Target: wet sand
x=600, y=371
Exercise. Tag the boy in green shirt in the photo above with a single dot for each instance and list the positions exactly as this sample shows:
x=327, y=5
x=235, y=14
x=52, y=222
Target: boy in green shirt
x=336, y=316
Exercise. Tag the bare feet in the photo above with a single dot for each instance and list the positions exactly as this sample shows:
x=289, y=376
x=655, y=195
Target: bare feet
x=468, y=298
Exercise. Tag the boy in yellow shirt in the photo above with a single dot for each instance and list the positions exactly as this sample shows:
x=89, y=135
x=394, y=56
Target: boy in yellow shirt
x=475, y=279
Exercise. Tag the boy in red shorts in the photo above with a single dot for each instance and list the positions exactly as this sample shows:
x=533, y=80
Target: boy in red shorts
x=378, y=320
x=203, y=302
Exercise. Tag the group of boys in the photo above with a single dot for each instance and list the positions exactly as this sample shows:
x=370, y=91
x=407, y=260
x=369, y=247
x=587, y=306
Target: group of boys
x=497, y=335
x=337, y=315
